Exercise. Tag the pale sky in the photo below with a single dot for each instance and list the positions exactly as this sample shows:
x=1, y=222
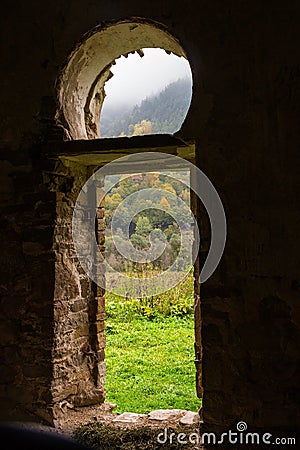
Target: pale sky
x=136, y=78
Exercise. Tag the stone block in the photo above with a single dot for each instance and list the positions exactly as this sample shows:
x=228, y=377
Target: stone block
x=189, y=418
x=78, y=305
x=85, y=285
x=129, y=417
x=101, y=355
x=101, y=224
x=101, y=237
x=100, y=301
x=86, y=398
x=100, y=325
x=101, y=337
x=100, y=213
x=101, y=376
x=83, y=330
x=164, y=414
x=100, y=292
x=100, y=198
x=101, y=316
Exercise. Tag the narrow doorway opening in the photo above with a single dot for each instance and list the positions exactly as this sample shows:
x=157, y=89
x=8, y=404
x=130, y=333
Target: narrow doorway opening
x=81, y=99
x=149, y=336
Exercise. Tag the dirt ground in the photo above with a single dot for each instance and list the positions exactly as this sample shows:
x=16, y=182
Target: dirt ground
x=75, y=417
x=72, y=418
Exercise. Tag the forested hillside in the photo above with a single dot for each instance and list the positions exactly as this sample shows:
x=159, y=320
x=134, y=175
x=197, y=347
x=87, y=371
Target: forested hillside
x=165, y=197
x=161, y=113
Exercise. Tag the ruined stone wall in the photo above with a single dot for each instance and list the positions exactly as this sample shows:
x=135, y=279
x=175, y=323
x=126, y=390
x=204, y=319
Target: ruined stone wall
x=244, y=117
x=79, y=339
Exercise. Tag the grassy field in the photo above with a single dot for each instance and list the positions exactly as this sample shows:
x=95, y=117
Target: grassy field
x=149, y=352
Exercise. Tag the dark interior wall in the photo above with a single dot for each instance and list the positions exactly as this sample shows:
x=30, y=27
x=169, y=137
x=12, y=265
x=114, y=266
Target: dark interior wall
x=248, y=146
x=244, y=117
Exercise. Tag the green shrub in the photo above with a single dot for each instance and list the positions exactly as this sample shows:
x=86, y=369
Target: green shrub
x=177, y=302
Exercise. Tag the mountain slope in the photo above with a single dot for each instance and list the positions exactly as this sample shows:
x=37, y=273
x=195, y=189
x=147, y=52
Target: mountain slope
x=161, y=113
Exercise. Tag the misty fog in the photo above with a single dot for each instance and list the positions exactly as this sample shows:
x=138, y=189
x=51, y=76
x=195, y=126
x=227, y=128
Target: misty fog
x=136, y=77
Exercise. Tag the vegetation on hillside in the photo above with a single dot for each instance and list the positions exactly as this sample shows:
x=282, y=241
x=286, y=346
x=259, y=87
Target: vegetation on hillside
x=165, y=197
x=161, y=113
x=150, y=342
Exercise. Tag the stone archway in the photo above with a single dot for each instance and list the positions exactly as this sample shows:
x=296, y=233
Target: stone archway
x=81, y=84
x=79, y=305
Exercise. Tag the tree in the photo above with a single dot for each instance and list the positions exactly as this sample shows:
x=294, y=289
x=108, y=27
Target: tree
x=142, y=127
x=143, y=226
x=139, y=241
x=168, y=187
x=175, y=243
x=164, y=203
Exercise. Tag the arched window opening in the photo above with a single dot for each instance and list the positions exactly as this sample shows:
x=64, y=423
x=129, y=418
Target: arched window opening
x=81, y=86
x=149, y=93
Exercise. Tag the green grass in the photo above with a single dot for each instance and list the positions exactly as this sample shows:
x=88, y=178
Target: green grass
x=150, y=353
